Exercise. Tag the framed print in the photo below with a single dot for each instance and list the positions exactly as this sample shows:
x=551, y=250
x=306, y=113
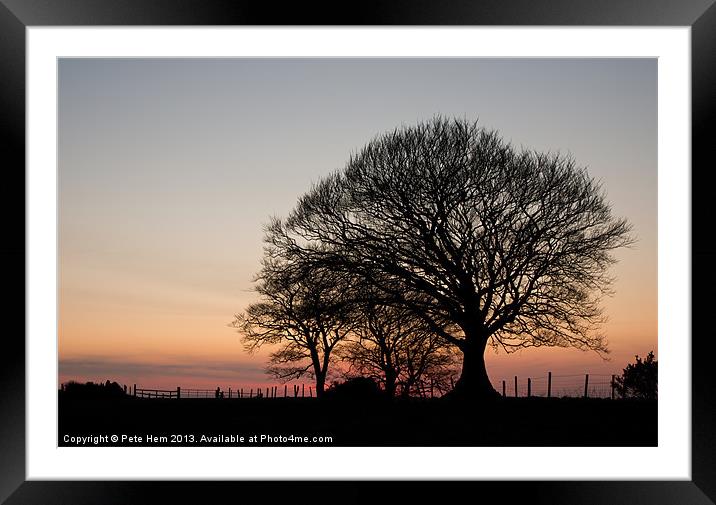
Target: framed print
x=428, y=243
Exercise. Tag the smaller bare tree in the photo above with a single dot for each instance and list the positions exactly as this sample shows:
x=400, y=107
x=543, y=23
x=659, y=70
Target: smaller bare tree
x=302, y=311
x=430, y=367
x=377, y=351
x=395, y=348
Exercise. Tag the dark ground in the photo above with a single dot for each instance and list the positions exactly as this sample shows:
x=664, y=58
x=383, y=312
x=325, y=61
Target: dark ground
x=506, y=422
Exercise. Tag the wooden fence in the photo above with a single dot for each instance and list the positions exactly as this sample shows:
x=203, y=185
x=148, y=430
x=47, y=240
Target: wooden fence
x=296, y=391
x=156, y=393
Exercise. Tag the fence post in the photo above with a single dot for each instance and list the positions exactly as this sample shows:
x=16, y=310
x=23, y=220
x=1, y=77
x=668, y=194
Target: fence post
x=303, y=390
x=613, y=385
x=178, y=392
x=134, y=391
x=549, y=384
x=285, y=390
x=529, y=387
x=251, y=393
x=586, y=384
x=504, y=389
x=241, y=395
x=515, y=386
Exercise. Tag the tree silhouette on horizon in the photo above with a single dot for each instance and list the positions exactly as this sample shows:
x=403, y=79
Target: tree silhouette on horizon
x=395, y=348
x=485, y=243
x=303, y=312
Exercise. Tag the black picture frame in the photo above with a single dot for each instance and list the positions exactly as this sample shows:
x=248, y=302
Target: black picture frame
x=16, y=15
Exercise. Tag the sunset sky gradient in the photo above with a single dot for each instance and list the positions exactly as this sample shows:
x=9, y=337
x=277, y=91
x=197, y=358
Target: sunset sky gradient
x=168, y=169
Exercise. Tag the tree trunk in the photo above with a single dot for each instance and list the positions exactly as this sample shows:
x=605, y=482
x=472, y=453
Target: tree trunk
x=474, y=384
x=318, y=372
x=320, y=384
x=320, y=366
x=390, y=379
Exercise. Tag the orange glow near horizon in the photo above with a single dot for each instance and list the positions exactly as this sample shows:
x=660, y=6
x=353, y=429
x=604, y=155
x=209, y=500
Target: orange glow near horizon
x=182, y=338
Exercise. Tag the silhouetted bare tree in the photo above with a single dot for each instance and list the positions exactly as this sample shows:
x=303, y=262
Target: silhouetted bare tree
x=374, y=351
x=486, y=243
x=393, y=347
x=430, y=365
x=304, y=311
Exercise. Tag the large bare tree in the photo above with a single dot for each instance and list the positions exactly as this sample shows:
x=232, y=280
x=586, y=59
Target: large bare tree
x=488, y=244
x=302, y=312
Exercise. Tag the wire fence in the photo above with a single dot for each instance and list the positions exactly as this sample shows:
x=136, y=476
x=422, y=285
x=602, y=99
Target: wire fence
x=559, y=386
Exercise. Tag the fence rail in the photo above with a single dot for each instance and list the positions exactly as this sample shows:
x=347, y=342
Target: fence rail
x=156, y=393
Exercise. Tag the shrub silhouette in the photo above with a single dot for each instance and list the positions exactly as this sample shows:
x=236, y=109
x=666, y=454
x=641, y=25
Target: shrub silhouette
x=359, y=389
x=93, y=390
x=639, y=379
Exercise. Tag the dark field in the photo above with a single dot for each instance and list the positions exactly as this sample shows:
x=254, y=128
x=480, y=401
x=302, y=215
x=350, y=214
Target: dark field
x=436, y=422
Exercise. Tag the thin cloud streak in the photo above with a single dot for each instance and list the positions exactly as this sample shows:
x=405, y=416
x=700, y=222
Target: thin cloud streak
x=190, y=374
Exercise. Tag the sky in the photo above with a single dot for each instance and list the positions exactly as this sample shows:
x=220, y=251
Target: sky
x=168, y=170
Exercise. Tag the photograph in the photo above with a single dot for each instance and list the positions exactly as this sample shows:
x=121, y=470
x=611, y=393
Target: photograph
x=357, y=252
